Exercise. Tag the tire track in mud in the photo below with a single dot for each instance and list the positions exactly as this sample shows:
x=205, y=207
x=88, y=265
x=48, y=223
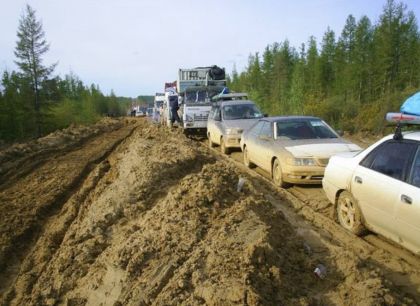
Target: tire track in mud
x=398, y=267
x=20, y=160
x=49, y=198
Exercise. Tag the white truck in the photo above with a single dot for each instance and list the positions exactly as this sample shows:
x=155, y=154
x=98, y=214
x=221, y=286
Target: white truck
x=158, y=105
x=167, y=115
x=196, y=87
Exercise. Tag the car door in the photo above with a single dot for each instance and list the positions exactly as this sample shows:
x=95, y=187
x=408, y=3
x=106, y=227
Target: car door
x=251, y=141
x=376, y=184
x=219, y=124
x=215, y=132
x=210, y=123
x=264, y=143
x=407, y=208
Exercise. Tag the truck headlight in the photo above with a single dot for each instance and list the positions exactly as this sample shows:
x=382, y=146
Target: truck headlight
x=232, y=131
x=301, y=161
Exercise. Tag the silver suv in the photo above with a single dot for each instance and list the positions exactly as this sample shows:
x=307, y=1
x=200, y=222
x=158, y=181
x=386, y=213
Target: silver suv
x=227, y=120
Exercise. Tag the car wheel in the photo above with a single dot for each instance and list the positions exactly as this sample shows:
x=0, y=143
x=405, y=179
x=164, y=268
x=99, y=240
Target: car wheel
x=277, y=175
x=348, y=213
x=247, y=162
x=211, y=143
x=223, y=148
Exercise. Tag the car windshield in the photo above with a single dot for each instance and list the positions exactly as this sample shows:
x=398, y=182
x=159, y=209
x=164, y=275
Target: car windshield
x=304, y=129
x=240, y=111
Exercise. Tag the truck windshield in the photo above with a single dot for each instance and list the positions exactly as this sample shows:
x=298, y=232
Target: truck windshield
x=240, y=111
x=198, y=96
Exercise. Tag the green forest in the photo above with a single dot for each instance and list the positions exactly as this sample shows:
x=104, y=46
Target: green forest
x=350, y=80
x=34, y=102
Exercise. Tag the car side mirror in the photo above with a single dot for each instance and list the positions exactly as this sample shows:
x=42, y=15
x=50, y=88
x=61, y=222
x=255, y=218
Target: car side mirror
x=340, y=133
x=217, y=118
x=265, y=115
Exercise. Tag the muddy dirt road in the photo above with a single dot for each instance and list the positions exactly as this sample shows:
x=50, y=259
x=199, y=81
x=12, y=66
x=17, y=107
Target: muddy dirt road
x=129, y=213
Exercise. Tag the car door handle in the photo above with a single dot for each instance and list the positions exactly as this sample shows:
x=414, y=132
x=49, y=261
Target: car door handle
x=406, y=199
x=358, y=180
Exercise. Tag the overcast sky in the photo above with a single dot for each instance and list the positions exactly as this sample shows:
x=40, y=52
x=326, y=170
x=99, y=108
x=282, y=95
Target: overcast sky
x=134, y=46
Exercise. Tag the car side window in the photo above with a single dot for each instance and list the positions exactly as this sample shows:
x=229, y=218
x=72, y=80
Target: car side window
x=266, y=130
x=255, y=130
x=415, y=170
x=392, y=158
x=216, y=115
x=211, y=113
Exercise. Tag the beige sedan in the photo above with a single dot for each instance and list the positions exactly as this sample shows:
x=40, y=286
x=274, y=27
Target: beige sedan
x=294, y=149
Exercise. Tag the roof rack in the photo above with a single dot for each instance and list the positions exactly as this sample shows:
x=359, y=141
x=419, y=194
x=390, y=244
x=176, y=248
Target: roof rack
x=401, y=120
x=230, y=96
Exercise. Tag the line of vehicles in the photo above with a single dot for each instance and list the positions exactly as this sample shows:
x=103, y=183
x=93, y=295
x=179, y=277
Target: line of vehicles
x=193, y=92
x=377, y=188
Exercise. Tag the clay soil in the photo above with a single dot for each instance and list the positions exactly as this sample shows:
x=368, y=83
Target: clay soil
x=130, y=213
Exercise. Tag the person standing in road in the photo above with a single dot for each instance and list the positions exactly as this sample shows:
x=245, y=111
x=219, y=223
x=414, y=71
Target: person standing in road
x=173, y=104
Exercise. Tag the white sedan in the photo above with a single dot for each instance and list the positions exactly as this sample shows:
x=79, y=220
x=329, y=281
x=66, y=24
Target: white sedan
x=379, y=189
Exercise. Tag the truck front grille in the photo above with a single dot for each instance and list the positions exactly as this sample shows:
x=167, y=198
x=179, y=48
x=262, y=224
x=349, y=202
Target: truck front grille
x=200, y=117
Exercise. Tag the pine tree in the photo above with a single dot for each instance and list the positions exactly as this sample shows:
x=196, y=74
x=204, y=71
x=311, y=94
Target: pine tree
x=327, y=76
x=363, y=58
x=30, y=48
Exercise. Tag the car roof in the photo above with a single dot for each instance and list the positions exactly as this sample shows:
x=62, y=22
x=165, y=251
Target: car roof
x=412, y=135
x=289, y=118
x=235, y=102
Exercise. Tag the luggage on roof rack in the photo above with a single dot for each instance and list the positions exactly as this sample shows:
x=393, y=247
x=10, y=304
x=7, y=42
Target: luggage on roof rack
x=411, y=105
x=410, y=115
x=402, y=118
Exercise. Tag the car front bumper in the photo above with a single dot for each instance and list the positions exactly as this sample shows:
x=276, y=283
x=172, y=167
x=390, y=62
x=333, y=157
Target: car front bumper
x=330, y=190
x=303, y=174
x=232, y=141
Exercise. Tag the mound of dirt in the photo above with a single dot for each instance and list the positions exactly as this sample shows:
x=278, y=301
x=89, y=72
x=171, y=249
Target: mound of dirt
x=160, y=222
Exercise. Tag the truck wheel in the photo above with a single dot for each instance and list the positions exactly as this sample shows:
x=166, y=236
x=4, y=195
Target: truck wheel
x=223, y=148
x=211, y=143
x=247, y=162
x=348, y=213
x=277, y=175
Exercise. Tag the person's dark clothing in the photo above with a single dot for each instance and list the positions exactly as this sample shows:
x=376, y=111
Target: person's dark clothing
x=173, y=105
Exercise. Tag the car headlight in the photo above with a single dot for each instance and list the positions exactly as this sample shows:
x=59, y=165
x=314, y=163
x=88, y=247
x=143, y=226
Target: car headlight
x=188, y=118
x=230, y=131
x=301, y=161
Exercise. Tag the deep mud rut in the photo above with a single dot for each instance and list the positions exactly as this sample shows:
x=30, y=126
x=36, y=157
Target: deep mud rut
x=134, y=214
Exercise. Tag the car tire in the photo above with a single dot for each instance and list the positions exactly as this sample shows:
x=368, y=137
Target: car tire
x=223, y=148
x=277, y=175
x=211, y=143
x=348, y=213
x=247, y=162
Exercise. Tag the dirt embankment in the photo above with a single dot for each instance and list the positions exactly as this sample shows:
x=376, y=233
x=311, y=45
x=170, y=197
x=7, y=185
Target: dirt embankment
x=159, y=221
